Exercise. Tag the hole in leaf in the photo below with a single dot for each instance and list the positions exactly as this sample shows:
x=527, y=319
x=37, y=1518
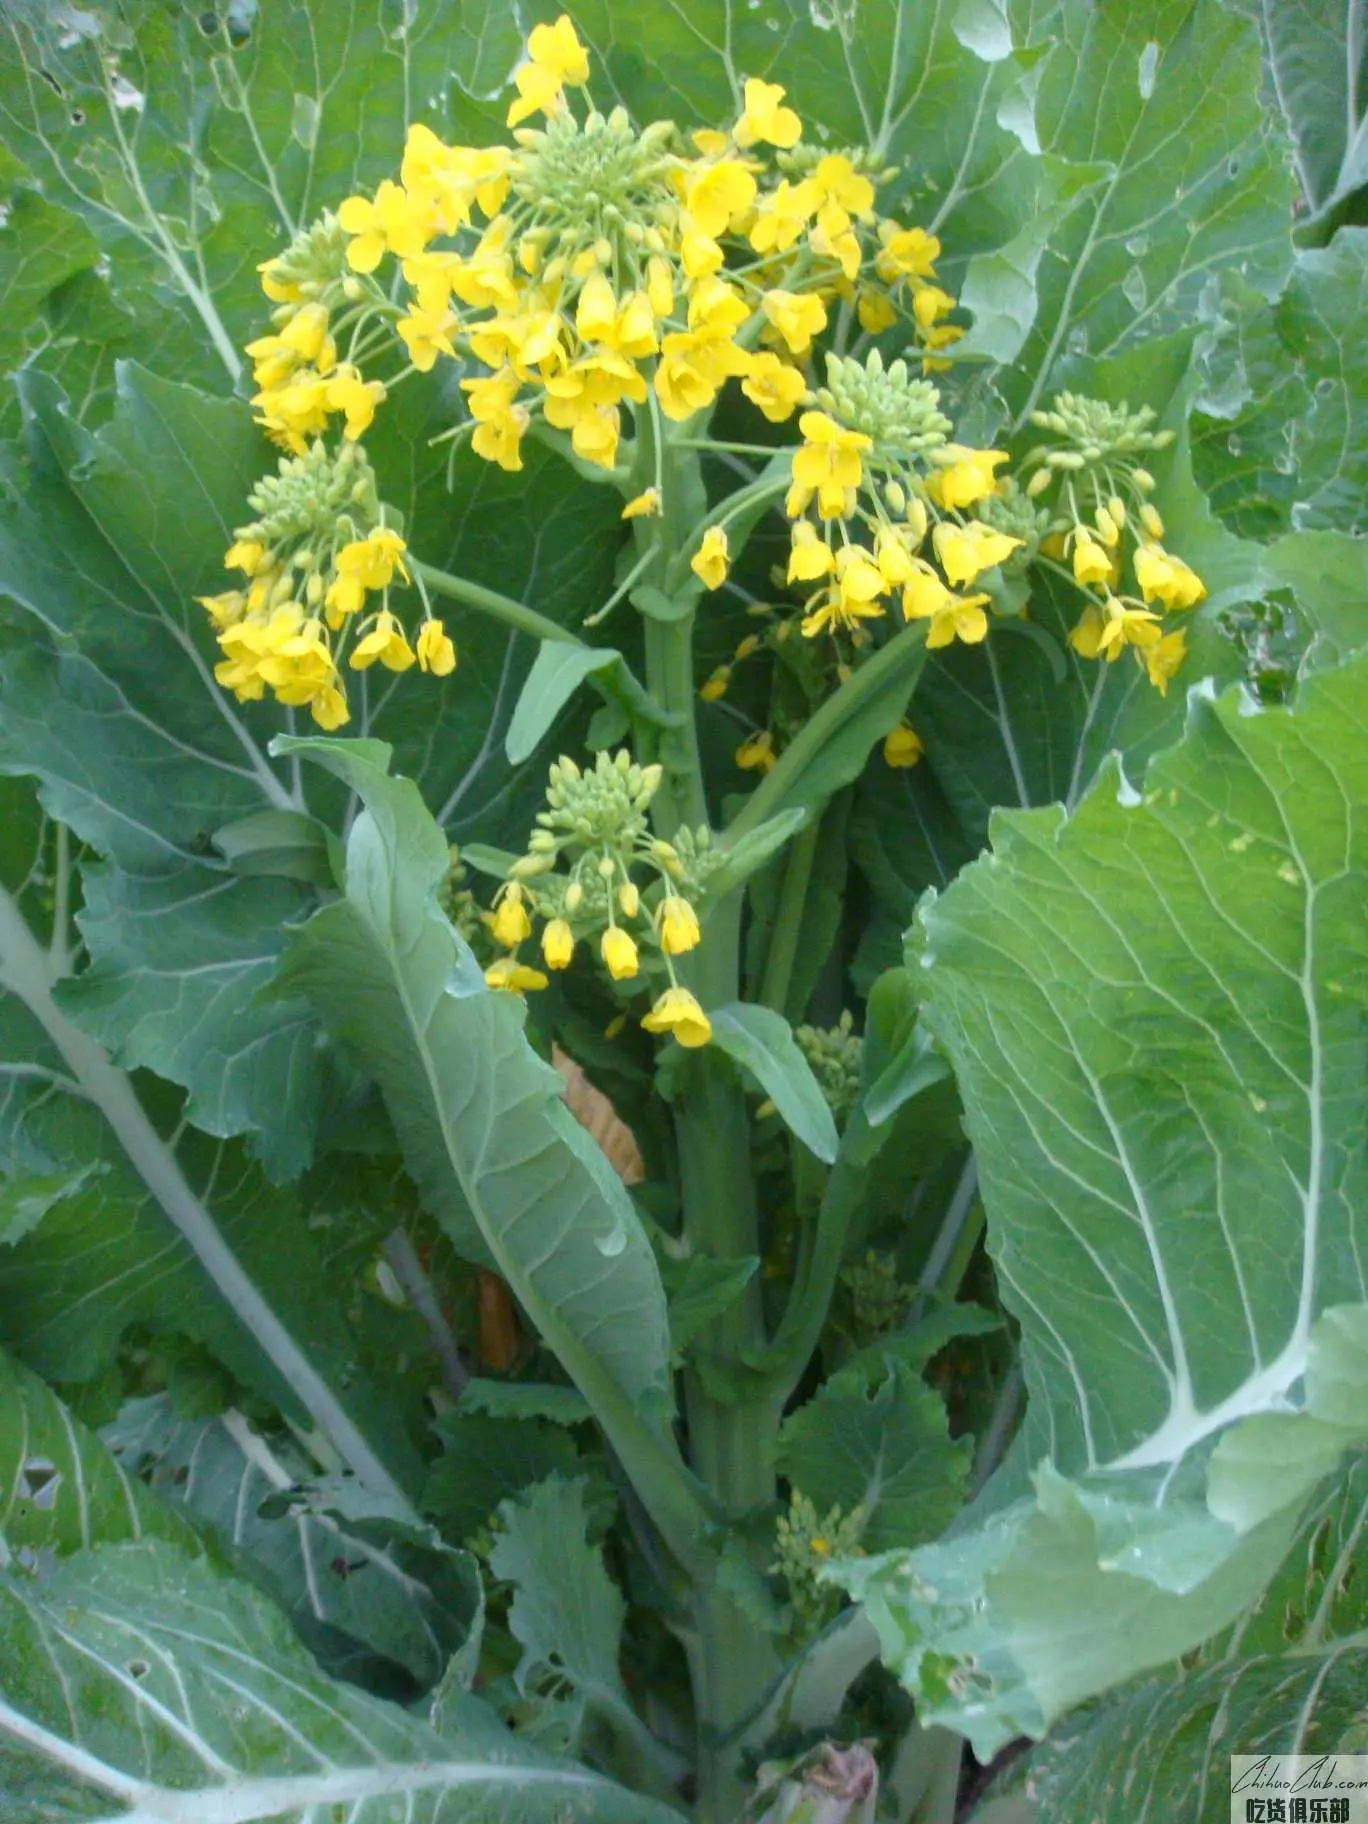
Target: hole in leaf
x=208, y=24
x=39, y=1481
x=138, y=1668
x=78, y=117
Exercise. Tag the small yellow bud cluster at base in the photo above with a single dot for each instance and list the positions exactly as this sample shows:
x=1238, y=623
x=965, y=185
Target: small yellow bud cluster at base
x=578, y=878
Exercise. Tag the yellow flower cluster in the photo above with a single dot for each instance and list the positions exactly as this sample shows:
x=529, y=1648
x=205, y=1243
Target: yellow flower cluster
x=578, y=878
x=590, y=267
x=883, y=507
x=317, y=551
x=1104, y=518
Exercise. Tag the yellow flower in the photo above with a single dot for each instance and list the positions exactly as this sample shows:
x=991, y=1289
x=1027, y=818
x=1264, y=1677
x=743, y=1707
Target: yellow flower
x=510, y=923
x=810, y=557
x=715, y=685
x=515, y=977
x=375, y=558
x=329, y=708
x=1104, y=633
x=1092, y=563
x=828, y=465
x=906, y=253
x=679, y=929
x=843, y=190
x=247, y=555
x=394, y=222
x=1167, y=579
x=875, y=310
x=781, y=216
x=643, y=506
x=709, y=562
x=224, y=610
x=966, y=551
x=426, y=334
x=1163, y=659
x=678, y=1013
x=894, y=558
x=854, y=596
x=764, y=119
x=347, y=392
x=557, y=60
x=619, y=952
x=902, y=746
x=435, y=650
x=798, y=317
x=557, y=944
x=757, y=755
x=951, y=616
x=963, y=476
x=384, y=642
x=929, y=304
x=717, y=194
x=774, y=386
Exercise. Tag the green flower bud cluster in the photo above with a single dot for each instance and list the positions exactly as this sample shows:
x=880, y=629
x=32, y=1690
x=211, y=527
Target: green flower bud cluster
x=321, y=498
x=691, y=858
x=805, y=1543
x=1093, y=430
x=604, y=805
x=900, y=414
x=879, y=1300
x=457, y=901
x=314, y=260
x=1013, y=511
x=834, y=1054
x=599, y=180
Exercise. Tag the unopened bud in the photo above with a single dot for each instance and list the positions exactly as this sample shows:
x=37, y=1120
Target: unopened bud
x=629, y=899
x=527, y=867
x=574, y=894
x=1038, y=483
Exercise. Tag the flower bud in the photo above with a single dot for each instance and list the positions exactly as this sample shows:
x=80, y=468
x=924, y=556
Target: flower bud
x=629, y=899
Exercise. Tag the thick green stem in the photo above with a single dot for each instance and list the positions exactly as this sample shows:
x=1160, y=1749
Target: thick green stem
x=489, y=601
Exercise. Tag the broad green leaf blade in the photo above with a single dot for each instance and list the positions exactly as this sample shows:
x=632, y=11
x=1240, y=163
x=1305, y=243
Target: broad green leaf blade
x=358, y=1585
x=1282, y=433
x=525, y=1400
x=1198, y=184
x=181, y=1233
x=1155, y=1010
x=567, y=1613
x=499, y=1160
x=62, y=1490
x=485, y=1460
x=1105, y=1765
x=163, y=1688
x=1316, y=56
x=875, y=1438
x=192, y=143
x=762, y=1042
x=556, y=674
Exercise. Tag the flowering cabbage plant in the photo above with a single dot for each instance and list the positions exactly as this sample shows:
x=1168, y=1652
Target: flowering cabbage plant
x=683, y=1095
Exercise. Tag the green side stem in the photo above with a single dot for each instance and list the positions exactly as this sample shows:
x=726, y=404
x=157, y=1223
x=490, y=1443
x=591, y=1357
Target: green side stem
x=782, y=954
x=490, y=602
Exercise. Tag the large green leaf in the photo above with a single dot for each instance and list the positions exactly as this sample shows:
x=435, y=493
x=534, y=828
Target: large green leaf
x=193, y=141
x=1155, y=1010
x=144, y=1220
x=515, y=1181
x=63, y=1492
x=1279, y=439
x=875, y=1438
x=108, y=696
x=134, y=1677
x=1316, y=57
x=359, y=1585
